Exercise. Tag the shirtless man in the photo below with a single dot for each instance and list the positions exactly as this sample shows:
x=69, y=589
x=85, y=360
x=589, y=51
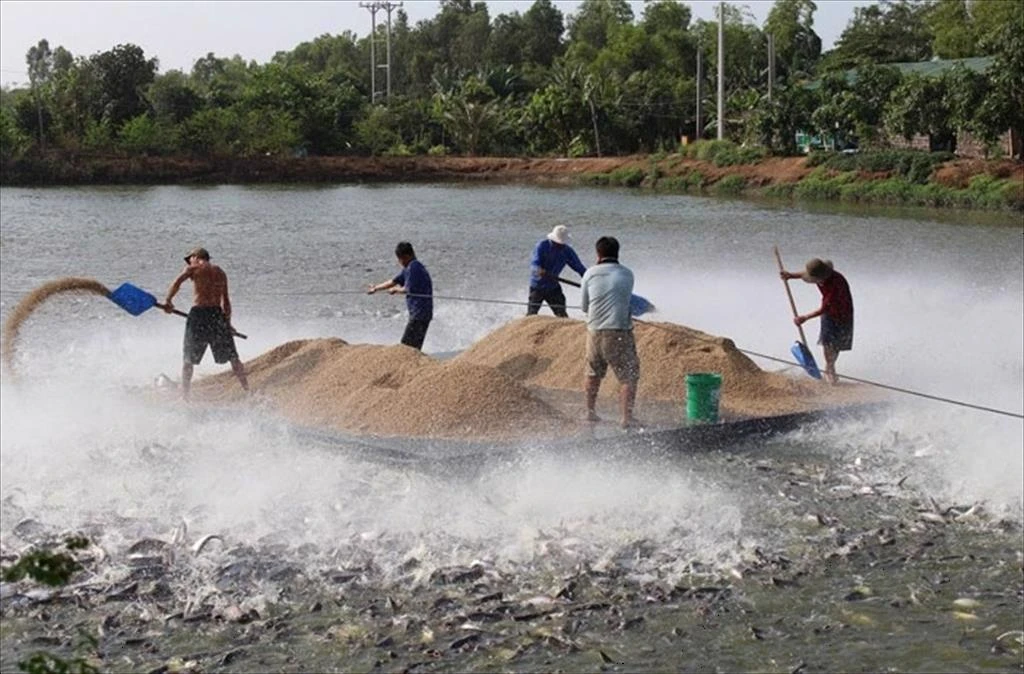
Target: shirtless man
x=209, y=321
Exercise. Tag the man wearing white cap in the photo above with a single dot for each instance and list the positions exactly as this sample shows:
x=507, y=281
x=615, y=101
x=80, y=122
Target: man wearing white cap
x=550, y=257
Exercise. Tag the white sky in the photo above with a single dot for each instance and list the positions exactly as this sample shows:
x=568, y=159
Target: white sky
x=179, y=33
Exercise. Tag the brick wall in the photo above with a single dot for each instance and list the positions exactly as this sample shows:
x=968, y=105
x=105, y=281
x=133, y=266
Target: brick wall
x=969, y=146
x=966, y=145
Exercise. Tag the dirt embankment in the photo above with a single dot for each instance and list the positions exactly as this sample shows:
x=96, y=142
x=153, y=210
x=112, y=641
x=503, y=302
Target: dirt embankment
x=777, y=176
x=80, y=169
x=72, y=169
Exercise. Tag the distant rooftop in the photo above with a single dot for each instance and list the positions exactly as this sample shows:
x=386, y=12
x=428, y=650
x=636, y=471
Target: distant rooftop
x=932, y=68
x=937, y=67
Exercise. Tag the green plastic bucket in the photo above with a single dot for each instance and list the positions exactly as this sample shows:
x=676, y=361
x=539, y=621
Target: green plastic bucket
x=703, y=391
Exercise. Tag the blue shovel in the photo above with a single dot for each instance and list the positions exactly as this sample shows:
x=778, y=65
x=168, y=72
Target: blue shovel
x=799, y=349
x=135, y=301
x=638, y=306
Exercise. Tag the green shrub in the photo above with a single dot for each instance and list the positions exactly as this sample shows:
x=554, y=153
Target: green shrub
x=628, y=176
x=673, y=184
x=398, y=150
x=779, y=190
x=695, y=179
x=890, y=191
x=817, y=157
x=984, y=183
x=98, y=136
x=914, y=165
x=437, y=151
x=674, y=161
x=730, y=185
x=935, y=195
x=707, y=150
x=577, y=148
x=1013, y=195
x=818, y=185
x=853, y=191
x=594, y=179
x=54, y=569
x=13, y=141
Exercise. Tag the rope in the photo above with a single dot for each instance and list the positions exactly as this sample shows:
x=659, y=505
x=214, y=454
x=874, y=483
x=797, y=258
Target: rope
x=748, y=352
x=885, y=386
x=481, y=300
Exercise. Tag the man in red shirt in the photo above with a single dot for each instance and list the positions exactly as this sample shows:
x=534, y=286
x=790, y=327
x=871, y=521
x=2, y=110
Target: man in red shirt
x=836, y=311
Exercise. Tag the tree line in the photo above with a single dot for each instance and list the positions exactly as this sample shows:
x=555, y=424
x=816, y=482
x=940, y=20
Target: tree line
x=600, y=81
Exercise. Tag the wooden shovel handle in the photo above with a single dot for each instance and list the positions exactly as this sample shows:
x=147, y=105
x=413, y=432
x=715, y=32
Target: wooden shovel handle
x=569, y=282
x=176, y=312
x=789, y=294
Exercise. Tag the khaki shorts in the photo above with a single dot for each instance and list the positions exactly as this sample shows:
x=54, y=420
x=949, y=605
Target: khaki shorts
x=615, y=348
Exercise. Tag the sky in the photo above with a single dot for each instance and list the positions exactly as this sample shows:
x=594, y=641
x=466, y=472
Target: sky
x=179, y=33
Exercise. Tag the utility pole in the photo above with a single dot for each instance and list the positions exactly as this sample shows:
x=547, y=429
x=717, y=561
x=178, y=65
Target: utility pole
x=721, y=70
x=700, y=93
x=373, y=7
x=771, y=65
x=389, y=7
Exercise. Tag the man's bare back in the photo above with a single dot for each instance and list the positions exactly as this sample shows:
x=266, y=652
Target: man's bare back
x=209, y=322
x=209, y=284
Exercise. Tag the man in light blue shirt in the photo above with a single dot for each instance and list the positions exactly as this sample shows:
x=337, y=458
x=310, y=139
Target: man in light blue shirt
x=550, y=256
x=606, y=291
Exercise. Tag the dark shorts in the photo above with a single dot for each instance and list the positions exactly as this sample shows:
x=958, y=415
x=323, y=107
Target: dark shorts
x=553, y=296
x=415, y=333
x=207, y=326
x=838, y=336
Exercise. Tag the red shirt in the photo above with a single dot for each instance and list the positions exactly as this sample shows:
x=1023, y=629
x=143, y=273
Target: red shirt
x=836, y=300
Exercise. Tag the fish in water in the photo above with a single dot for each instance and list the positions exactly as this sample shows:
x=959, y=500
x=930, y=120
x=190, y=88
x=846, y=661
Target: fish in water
x=163, y=381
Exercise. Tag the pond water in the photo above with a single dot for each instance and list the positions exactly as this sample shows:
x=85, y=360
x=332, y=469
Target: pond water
x=940, y=310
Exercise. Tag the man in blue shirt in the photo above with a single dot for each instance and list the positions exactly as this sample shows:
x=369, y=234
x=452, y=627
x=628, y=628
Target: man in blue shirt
x=414, y=282
x=550, y=256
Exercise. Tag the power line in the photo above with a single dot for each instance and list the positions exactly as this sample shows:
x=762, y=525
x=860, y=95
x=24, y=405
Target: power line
x=374, y=7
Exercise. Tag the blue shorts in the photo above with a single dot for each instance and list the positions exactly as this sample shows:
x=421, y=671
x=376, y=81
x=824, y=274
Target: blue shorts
x=836, y=335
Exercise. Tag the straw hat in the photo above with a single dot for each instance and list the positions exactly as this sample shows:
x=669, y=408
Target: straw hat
x=560, y=234
x=817, y=270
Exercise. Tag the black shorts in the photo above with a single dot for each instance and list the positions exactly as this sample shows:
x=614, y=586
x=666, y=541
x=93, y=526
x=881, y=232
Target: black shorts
x=553, y=296
x=415, y=333
x=208, y=326
x=838, y=336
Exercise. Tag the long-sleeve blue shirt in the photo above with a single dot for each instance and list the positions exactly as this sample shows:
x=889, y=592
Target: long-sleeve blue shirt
x=552, y=258
x=419, y=298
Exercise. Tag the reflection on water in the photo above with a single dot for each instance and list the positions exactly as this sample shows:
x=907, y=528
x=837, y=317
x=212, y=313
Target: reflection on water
x=949, y=216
